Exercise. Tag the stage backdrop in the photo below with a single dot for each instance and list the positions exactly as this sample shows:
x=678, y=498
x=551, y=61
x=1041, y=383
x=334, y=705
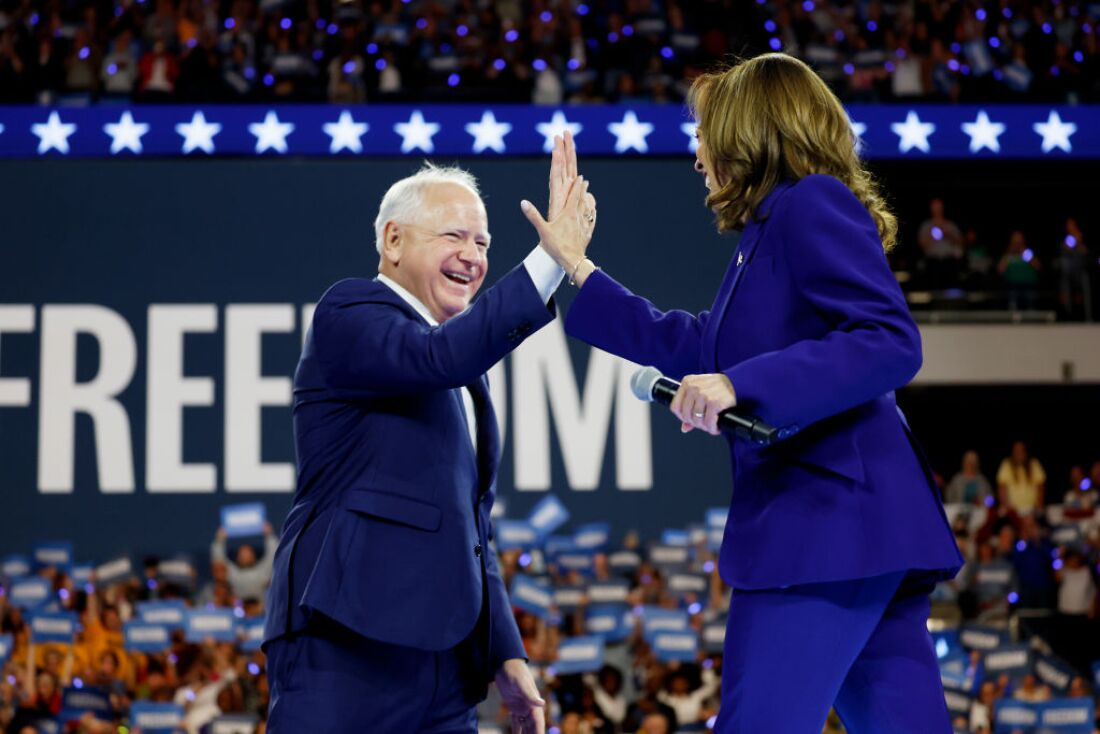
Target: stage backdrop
x=152, y=312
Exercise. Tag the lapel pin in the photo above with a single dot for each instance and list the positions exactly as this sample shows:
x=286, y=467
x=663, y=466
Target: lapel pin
x=740, y=258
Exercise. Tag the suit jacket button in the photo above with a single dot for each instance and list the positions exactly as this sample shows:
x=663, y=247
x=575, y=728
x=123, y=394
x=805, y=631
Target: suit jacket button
x=477, y=550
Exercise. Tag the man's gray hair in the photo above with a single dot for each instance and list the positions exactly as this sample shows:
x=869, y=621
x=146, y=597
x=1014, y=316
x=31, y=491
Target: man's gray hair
x=403, y=201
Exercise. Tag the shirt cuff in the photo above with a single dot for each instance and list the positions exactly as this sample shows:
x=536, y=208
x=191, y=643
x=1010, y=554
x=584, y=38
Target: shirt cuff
x=545, y=273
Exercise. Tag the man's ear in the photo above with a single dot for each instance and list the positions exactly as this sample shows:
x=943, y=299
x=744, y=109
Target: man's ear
x=391, y=243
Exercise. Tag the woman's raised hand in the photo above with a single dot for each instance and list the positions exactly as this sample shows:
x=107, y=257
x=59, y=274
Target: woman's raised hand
x=572, y=211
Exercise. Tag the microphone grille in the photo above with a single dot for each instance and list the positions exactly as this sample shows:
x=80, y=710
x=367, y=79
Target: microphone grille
x=643, y=381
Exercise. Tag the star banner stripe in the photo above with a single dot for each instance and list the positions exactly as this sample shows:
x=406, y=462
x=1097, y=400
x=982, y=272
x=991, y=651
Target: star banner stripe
x=921, y=132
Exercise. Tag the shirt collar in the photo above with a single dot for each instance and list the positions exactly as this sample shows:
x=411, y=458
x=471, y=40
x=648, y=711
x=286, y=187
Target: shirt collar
x=409, y=298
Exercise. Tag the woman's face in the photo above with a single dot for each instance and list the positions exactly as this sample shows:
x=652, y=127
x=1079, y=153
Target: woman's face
x=704, y=166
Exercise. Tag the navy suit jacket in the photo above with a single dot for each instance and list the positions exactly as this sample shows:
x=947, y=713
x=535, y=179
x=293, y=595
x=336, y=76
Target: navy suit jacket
x=814, y=333
x=389, y=531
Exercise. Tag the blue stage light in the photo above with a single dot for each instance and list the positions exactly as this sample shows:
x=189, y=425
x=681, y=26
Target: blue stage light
x=666, y=52
x=995, y=42
x=85, y=52
x=269, y=80
x=546, y=16
x=372, y=48
x=980, y=15
x=349, y=67
x=582, y=9
x=573, y=64
x=1013, y=597
x=453, y=80
x=872, y=26
x=769, y=26
x=775, y=44
x=462, y=31
x=499, y=64
x=285, y=24
x=332, y=29
x=539, y=65
x=229, y=24
x=380, y=64
x=628, y=30
x=511, y=36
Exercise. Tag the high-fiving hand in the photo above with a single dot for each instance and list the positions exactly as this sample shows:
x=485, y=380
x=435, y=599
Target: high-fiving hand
x=572, y=210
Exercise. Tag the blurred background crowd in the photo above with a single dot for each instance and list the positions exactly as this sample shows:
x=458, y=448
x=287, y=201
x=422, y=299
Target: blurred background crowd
x=1031, y=542
x=541, y=51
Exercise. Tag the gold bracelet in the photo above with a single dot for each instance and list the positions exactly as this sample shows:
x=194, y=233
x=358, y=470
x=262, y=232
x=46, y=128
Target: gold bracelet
x=573, y=276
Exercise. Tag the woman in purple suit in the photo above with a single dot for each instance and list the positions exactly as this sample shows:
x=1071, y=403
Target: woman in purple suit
x=836, y=533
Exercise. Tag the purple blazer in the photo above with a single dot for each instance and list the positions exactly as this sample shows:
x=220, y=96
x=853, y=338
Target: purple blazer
x=813, y=332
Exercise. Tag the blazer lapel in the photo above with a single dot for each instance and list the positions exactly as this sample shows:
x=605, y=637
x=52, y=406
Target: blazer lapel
x=488, y=435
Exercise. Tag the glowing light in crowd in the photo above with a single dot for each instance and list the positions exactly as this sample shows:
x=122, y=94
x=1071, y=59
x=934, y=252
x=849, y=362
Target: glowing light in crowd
x=546, y=16
x=453, y=80
x=64, y=594
x=941, y=648
x=612, y=36
x=269, y=80
x=422, y=23
x=229, y=24
x=525, y=560
x=808, y=6
x=776, y=44
x=628, y=30
x=112, y=69
x=285, y=24
x=462, y=31
x=666, y=52
x=582, y=9
x=695, y=608
x=1057, y=565
x=332, y=29
x=320, y=24
x=1021, y=545
x=953, y=65
x=372, y=48
x=78, y=683
x=573, y=64
x=937, y=233
x=708, y=567
x=1028, y=255
x=253, y=669
x=1086, y=484
x=499, y=64
x=349, y=67
x=980, y=15
x=511, y=36
x=539, y=65
x=848, y=68
x=769, y=26
x=872, y=26
x=85, y=52
x=995, y=42
x=380, y=64
x=1006, y=12
x=1013, y=597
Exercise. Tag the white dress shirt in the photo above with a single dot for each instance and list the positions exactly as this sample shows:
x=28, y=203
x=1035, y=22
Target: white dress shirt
x=546, y=275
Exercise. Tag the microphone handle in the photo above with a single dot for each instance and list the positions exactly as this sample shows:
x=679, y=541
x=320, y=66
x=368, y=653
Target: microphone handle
x=729, y=421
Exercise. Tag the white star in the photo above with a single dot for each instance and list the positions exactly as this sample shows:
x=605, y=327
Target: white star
x=126, y=134
x=346, y=133
x=271, y=134
x=53, y=134
x=630, y=133
x=984, y=133
x=557, y=126
x=689, y=128
x=858, y=129
x=416, y=133
x=913, y=133
x=198, y=134
x=488, y=133
x=1055, y=132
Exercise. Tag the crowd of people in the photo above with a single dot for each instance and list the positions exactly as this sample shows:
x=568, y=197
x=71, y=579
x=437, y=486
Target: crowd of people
x=958, y=262
x=542, y=51
x=1032, y=547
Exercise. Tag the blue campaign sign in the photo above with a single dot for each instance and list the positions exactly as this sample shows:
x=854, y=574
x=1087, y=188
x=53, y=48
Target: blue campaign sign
x=624, y=562
x=1065, y=535
x=119, y=569
x=172, y=614
x=593, y=536
x=923, y=131
x=5, y=649
x=568, y=598
x=612, y=622
x=673, y=646
x=714, y=637
x=1014, y=660
x=1067, y=716
x=669, y=555
x=156, y=718
x=510, y=534
x=235, y=724
x=56, y=553
x=576, y=561
x=675, y=536
x=244, y=519
x=716, y=518
x=53, y=627
x=530, y=596
x=656, y=620
x=608, y=592
x=30, y=592
x=548, y=515
x=177, y=571
x=82, y=573
x=75, y=702
x=979, y=637
x=251, y=633
x=714, y=538
x=682, y=584
x=217, y=624
x=47, y=726
x=1054, y=672
x=1009, y=716
x=946, y=642
x=555, y=545
x=957, y=703
x=579, y=655
x=147, y=637
x=14, y=566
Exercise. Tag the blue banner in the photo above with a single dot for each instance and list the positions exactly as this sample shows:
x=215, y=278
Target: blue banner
x=684, y=584
x=675, y=536
x=608, y=592
x=147, y=637
x=716, y=517
x=624, y=562
x=1067, y=715
x=251, y=633
x=14, y=566
x=169, y=613
x=111, y=572
x=531, y=596
x=548, y=515
x=958, y=703
x=244, y=520
x=156, y=718
x=82, y=573
x=53, y=627
x=5, y=648
x=576, y=561
x=216, y=624
x=568, y=598
x=1015, y=660
x=669, y=555
x=612, y=622
x=234, y=724
x=593, y=536
x=75, y=702
x=512, y=534
x=1065, y=535
x=714, y=637
x=885, y=131
x=58, y=554
x=978, y=637
x=178, y=571
x=579, y=655
x=1054, y=672
x=656, y=620
x=675, y=646
x=30, y=592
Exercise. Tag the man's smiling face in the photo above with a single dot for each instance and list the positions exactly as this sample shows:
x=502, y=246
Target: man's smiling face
x=442, y=257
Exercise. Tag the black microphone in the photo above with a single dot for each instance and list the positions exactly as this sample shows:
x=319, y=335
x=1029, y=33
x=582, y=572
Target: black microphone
x=651, y=386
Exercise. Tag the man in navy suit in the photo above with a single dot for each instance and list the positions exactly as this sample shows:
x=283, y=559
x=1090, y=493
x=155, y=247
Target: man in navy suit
x=387, y=611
